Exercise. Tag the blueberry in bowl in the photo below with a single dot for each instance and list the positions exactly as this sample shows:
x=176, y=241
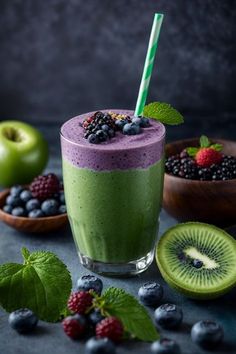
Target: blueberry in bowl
x=35, y=208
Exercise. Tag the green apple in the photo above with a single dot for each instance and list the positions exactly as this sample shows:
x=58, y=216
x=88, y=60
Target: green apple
x=23, y=153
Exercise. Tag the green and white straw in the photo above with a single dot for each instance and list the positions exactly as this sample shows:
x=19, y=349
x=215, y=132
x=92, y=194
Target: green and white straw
x=148, y=66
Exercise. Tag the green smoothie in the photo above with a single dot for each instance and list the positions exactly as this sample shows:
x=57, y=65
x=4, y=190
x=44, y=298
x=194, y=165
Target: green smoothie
x=114, y=215
x=113, y=193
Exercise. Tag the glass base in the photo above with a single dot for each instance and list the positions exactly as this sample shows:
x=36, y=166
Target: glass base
x=118, y=269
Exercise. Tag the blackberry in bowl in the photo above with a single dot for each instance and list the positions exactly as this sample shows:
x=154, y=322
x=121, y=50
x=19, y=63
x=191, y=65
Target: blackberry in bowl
x=200, y=184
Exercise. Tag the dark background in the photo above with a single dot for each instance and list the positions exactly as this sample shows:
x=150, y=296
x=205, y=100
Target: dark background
x=59, y=58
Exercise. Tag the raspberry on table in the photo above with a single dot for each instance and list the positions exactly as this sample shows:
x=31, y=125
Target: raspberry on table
x=44, y=187
x=79, y=302
x=74, y=326
x=110, y=328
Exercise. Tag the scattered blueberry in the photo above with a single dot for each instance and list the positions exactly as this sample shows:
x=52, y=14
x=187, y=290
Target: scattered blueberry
x=32, y=204
x=165, y=346
x=36, y=213
x=150, y=294
x=95, y=317
x=23, y=320
x=131, y=129
x=207, y=334
x=100, y=346
x=50, y=207
x=14, y=201
x=7, y=209
x=62, y=209
x=168, y=316
x=15, y=191
x=197, y=263
x=18, y=211
x=88, y=282
x=93, y=138
x=25, y=195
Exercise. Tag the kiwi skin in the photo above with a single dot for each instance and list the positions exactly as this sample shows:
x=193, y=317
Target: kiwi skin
x=187, y=292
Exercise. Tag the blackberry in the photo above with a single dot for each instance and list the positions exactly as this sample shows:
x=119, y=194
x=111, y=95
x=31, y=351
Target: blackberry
x=44, y=187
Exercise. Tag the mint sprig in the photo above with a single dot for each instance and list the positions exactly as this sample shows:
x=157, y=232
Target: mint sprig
x=42, y=284
x=163, y=112
x=134, y=317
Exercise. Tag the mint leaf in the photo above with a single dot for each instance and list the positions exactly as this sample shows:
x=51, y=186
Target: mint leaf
x=163, y=112
x=204, y=141
x=42, y=284
x=192, y=151
x=131, y=313
x=217, y=147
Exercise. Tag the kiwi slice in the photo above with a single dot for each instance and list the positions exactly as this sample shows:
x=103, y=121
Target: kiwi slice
x=197, y=259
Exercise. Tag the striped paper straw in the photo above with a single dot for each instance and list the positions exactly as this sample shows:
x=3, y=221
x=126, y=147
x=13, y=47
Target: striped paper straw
x=148, y=66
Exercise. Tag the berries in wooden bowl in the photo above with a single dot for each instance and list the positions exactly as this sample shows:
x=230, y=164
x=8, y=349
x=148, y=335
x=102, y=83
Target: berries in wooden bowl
x=201, y=186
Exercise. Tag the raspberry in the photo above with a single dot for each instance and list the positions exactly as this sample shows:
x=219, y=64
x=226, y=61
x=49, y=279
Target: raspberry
x=74, y=326
x=206, y=157
x=80, y=301
x=110, y=328
x=44, y=187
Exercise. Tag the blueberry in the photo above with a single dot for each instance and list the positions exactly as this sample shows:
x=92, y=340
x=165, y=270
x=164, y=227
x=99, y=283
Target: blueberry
x=150, y=294
x=7, y=209
x=105, y=127
x=207, y=334
x=120, y=123
x=62, y=197
x=15, y=191
x=88, y=282
x=102, y=136
x=95, y=317
x=23, y=320
x=50, y=207
x=131, y=129
x=18, y=211
x=62, y=209
x=32, y=204
x=137, y=120
x=100, y=346
x=168, y=316
x=25, y=195
x=165, y=346
x=93, y=138
x=14, y=201
x=197, y=263
x=144, y=122
x=111, y=133
x=36, y=213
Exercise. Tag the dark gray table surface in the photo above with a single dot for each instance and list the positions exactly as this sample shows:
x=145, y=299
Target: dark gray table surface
x=49, y=338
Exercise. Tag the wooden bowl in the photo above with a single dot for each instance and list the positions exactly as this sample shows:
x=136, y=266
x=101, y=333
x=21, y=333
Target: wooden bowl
x=31, y=225
x=207, y=201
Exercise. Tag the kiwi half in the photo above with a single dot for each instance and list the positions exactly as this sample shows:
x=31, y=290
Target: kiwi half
x=214, y=251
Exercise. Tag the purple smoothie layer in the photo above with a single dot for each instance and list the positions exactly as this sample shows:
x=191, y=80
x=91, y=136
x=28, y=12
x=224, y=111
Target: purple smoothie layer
x=123, y=152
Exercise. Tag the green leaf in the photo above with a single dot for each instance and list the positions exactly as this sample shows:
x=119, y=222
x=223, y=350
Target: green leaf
x=163, y=112
x=204, y=141
x=217, y=147
x=131, y=313
x=192, y=151
x=42, y=284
